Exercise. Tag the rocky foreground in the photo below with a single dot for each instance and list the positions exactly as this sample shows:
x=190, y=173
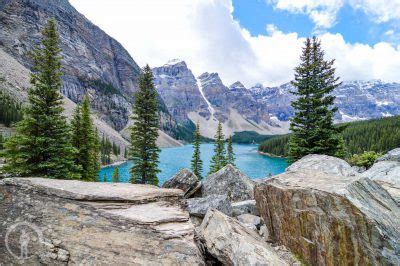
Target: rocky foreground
x=321, y=211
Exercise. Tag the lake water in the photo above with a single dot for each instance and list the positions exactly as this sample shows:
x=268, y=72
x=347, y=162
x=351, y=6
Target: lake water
x=172, y=160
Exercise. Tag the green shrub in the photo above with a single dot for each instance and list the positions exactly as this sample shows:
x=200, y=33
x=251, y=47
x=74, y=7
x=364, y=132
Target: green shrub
x=365, y=159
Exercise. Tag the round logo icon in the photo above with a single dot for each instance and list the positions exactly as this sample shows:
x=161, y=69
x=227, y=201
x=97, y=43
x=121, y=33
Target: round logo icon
x=21, y=238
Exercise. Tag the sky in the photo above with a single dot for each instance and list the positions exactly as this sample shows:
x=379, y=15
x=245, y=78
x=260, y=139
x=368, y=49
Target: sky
x=255, y=41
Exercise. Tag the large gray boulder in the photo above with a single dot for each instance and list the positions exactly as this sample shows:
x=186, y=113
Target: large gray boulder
x=184, y=180
x=393, y=155
x=323, y=163
x=199, y=206
x=331, y=220
x=386, y=171
x=80, y=223
x=232, y=243
x=231, y=182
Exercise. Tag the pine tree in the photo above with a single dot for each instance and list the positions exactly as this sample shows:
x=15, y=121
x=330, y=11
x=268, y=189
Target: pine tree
x=42, y=145
x=86, y=141
x=312, y=124
x=197, y=163
x=115, y=176
x=230, y=155
x=144, y=132
x=218, y=160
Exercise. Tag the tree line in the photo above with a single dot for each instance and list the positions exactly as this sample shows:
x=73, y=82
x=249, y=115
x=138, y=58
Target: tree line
x=377, y=135
x=10, y=110
x=109, y=148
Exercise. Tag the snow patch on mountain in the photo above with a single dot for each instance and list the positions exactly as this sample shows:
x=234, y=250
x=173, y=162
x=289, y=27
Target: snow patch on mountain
x=209, y=106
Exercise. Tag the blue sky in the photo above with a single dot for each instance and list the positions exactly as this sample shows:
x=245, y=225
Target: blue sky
x=255, y=41
x=355, y=25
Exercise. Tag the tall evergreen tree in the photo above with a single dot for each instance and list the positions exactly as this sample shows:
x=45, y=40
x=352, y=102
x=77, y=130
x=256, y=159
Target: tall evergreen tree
x=312, y=124
x=230, y=155
x=86, y=141
x=218, y=160
x=197, y=163
x=115, y=176
x=42, y=145
x=144, y=132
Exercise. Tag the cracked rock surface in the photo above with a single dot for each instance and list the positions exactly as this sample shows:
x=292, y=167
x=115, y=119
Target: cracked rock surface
x=97, y=223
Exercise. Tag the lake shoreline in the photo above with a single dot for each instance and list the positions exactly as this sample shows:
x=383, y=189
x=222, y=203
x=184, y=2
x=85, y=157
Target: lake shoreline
x=270, y=154
x=172, y=160
x=117, y=163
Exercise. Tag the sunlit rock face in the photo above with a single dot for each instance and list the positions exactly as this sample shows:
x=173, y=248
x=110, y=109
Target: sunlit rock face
x=331, y=219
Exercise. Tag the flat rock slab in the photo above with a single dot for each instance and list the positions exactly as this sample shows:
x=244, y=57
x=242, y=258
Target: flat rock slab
x=323, y=163
x=153, y=213
x=98, y=223
x=231, y=182
x=232, y=243
x=330, y=219
x=96, y=191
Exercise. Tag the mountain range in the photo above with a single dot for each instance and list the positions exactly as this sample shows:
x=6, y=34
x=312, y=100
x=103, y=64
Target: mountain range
x=98, y=65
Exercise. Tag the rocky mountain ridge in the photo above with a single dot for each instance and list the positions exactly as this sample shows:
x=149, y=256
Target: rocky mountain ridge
x=356, y=100
x=207, y=100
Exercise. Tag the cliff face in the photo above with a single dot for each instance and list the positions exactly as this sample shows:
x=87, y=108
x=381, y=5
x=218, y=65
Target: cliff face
x=178, y=88
x=92, y=61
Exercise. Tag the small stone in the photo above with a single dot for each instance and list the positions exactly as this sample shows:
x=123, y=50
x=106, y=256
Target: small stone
x=56, y=242
x=246, y=206
x=264, y=233
x=62, y=255
x=251, y=221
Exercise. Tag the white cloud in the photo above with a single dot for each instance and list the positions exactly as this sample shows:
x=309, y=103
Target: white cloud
x=206, y=36
x=323, y=12
x=381, y=10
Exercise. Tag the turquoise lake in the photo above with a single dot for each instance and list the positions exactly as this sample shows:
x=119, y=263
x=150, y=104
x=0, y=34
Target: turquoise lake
x=172, y=160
